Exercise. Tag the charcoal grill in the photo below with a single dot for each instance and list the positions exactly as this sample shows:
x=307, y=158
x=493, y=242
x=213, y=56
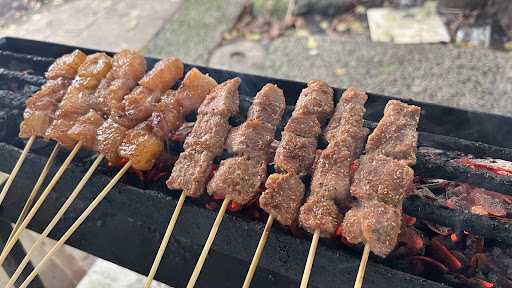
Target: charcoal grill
x=127, y=227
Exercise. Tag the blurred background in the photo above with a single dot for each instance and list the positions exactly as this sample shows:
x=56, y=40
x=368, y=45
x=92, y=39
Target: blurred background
x=451, y=52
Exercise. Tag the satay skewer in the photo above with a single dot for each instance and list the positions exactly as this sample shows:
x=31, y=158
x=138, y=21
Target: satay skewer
x=55, y=219
x=165, y=240
x=35, y=190
x=362, y=267
x=310, y=260
x=77, y=224
x=9, y=245
x=259, y=251
x=208, y=244
x=16, y=168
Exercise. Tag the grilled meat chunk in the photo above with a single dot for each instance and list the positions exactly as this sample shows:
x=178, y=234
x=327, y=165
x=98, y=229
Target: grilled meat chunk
x=383, y=179
x=283, y=197
x=251, y=139
x=191, y=172
x=168, y=115
x=85, y=129
x=316, y=99
x=349, y=112
x=58, y=131
x=240, y=178
x=268, y=105
x=208, y=134
x=395, y=135
x=163, y=75
x=128, y=67
x=319, y=213
x=141, y=147
x=223, y=100
x=303, y=125
x=65, y=67
x=295, y=154
x=109, y=137
x=374, y=223
x=193, y=89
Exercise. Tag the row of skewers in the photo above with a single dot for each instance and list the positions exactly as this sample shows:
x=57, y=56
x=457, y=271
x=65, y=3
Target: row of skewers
x=107, y=104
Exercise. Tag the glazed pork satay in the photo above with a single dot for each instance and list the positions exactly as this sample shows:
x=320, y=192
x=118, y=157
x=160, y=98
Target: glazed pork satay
x=76, y=102
x=191, y=171
x=136, y=107
x=41, y=107
x=241, y=176
x=145, y=142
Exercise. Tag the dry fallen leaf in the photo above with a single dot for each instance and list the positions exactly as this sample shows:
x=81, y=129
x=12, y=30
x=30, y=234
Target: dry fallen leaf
x=302, y=33
x=508, y=46
x=312, y=44
x=340, y=71
x=324, y=25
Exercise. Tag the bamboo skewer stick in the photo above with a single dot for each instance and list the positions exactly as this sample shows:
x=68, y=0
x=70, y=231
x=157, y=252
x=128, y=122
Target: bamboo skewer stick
x=39, y=202
x=208, y=244
x=259, y=251
x=36, y=188
x=55, y=220
x=362, y=267
x=76, y=224
x=16, y=168
x=309, y=261
x=165, y=240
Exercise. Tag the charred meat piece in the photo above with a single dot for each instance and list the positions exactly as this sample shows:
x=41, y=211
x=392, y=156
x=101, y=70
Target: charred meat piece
x=395, y=135
x=137, y=106
x=78, y=98
x=316, y=99
x=383, y=179
x=303, y=125
x=375, y=224
x=349, y=112
x=85, y=129
x=319, y=213
x=223, y=100
x=193, y=89
x=109, y=137
x=268, y=105
x=209, y=134
x=331, y=178
x=295, y=154
x=283, y=197
x=251, y=139
x=128, y=67
x=240, y=178
x=191, y=172
x=163, y=75
x=66, y=66
x=141, y=147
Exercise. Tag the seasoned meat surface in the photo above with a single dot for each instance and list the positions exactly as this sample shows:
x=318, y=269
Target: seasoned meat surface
x=283, y=197
x=223, y=100
x=141, y=147
x=240, y=178
x=193, y=89
x=268, y=105
x=66, y=66
x=191, y=172
x=304, y=125
x=58, y=131
x=85, y=128
x=209, y=134
x=108, y=138
x=163, y=75
x=376, y=224
x=251, y=139
x=295, y=154
x=168, y=115
x=395, y=135
x=316, y=99
x=128, y=67
x=319, y=213
x=383, y=179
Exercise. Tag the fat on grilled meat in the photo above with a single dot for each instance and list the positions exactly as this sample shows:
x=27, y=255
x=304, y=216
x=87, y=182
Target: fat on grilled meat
x=316, y=99
x=395, y=136
x=283, y=197
x=383, y=179
x=85, y=128
x=349, y=112
x=319, y=213
x=109, y=137
x=192, y=169
x=374, y=223
x=137, y=106
x=77, y=100
x=239, y=178
x=41, y=107
x=128, y=67
x=145, y=142
x=268, y=105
